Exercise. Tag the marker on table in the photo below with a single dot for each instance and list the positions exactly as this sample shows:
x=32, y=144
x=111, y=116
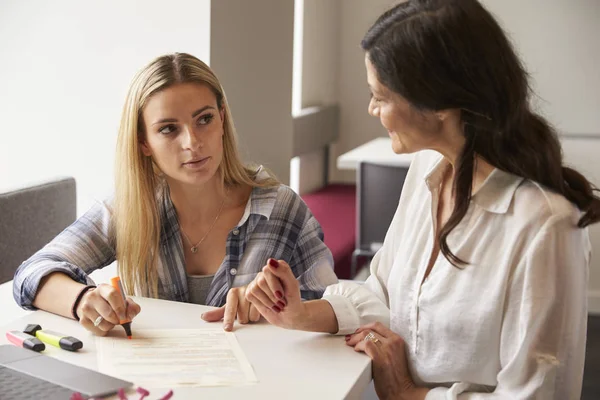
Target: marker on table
x=126, y=323
x=24, y=340
x=54, y=338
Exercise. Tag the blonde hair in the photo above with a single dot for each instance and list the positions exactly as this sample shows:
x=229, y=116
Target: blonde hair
x=136, y=221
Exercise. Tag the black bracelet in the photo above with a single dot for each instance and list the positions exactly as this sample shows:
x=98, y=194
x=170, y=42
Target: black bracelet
x=78, y=300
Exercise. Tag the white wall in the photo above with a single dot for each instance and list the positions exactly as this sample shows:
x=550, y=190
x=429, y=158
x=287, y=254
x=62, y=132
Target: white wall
x=65, y=69
x=321, y=52
x=356, y=125
x=319, y=76
x=251, y=52
x=558, y=40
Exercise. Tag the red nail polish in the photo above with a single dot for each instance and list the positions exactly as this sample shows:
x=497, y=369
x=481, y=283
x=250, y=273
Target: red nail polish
x=273, y=263
x=276, y=309
x=281, y=305
x=278, y=294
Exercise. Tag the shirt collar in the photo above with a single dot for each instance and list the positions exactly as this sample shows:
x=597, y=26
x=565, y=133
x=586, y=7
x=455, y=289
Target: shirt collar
x=494, y=195
x=497, y=191
x=261, y=201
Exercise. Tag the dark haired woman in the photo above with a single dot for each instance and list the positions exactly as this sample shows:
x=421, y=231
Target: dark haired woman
x=483, y=274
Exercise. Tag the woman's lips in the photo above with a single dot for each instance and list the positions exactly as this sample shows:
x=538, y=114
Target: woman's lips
x=196, y=164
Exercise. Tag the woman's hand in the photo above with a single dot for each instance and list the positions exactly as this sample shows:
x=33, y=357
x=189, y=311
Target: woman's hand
x=106, y=302
x=390, y=367
x=276, y=295
x=236, y=305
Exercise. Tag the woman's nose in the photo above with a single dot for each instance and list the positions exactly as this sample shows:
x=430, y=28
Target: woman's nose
x=191, y=139
x=373, y=109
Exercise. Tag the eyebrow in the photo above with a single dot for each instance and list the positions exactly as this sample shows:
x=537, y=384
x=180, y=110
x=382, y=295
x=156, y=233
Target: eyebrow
x=198, y=111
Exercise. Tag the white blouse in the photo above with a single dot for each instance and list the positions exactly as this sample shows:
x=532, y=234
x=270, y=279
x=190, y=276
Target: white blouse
x=509, y=325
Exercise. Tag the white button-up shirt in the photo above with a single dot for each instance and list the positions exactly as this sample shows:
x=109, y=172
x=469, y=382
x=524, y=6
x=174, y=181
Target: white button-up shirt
x=511, y=324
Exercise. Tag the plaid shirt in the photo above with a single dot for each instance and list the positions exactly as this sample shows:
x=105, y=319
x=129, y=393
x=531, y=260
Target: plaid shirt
x=276, y=223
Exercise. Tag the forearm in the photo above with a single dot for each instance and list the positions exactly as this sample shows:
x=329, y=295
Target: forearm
x=56, y=294
x=319, y=317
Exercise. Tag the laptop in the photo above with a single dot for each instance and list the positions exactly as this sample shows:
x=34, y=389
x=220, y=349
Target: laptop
x=26, y=374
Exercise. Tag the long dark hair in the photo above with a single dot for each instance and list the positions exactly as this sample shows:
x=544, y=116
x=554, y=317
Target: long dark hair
x=452, y=54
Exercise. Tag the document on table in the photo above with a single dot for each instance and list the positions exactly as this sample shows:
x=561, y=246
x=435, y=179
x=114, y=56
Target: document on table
x=166, y=358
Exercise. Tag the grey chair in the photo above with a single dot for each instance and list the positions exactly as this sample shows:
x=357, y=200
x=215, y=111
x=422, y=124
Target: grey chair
x=377, y=195
x=32, y=216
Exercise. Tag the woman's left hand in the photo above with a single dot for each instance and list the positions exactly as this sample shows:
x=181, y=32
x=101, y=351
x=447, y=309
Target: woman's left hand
x=236, y=306
x=390, y=367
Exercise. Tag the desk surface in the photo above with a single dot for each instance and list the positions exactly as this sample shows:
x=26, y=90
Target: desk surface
x=287, y=364
x=377, y=151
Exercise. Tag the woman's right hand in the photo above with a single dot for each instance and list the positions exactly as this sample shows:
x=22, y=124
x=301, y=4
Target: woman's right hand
x=263, y=293
x=106, y=302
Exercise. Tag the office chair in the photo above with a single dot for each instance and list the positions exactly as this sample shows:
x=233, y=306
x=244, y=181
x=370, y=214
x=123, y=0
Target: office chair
x=377, y=195
x=30, y=217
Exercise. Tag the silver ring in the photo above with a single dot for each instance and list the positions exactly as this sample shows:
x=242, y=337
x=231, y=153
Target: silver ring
x=98, y=321
x=372, y=338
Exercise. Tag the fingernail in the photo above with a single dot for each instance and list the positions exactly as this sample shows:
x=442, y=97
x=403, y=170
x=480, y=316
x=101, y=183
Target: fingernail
x=202, y=315
x=347, y=337
x=278, y=294
x=273, y=263
x=276, y=309
x=228, y=327
x=281, y=304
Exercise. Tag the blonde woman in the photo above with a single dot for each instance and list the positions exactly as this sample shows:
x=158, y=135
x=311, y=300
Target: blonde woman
x=188, y=222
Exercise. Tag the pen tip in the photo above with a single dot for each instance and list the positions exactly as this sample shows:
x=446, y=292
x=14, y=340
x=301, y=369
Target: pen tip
x=129, y=337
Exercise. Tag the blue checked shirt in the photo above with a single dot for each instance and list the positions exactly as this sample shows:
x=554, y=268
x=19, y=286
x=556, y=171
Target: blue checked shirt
x=276, y=223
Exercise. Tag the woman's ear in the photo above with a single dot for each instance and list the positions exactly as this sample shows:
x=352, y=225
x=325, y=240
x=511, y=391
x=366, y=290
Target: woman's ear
x=449, y=114
x=442, y=115
x=145, y=149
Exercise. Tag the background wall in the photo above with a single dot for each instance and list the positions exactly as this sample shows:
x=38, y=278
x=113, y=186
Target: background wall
x=251, y=52
x=356, y=125
x=316, y=77
x=557, y=39
x=65, y=69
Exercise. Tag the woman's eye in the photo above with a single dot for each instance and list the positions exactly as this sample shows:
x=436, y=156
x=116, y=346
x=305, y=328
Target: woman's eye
x=167, y=129
x=205, y=119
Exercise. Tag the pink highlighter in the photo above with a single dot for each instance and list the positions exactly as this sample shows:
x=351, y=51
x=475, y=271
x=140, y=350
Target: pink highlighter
x=25, y=341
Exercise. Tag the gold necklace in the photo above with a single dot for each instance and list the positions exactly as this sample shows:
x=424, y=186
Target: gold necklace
x=194, y=248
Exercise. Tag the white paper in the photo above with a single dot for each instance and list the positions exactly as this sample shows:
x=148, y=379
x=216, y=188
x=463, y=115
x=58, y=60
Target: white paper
x=167, y=358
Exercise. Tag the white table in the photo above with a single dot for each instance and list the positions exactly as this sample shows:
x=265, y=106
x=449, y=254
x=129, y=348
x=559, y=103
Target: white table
x=9, y=310
x=287, y=364
x=378, y=151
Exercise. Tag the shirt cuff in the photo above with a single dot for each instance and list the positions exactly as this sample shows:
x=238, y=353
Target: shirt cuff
x=438, y=393
x=345, y=312
x=25, y=287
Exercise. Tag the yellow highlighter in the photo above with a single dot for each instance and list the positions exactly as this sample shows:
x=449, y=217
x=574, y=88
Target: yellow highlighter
x=69, y=343
x=126, y=323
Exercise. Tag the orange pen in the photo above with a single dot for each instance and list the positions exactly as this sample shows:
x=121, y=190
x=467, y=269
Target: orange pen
x=126, y=324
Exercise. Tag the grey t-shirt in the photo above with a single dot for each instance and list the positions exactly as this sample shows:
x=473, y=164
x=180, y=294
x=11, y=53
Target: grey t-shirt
x=198, y=287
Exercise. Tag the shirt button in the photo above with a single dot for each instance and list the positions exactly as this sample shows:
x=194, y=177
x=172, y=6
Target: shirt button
x=236, y=232
x=233, y=271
